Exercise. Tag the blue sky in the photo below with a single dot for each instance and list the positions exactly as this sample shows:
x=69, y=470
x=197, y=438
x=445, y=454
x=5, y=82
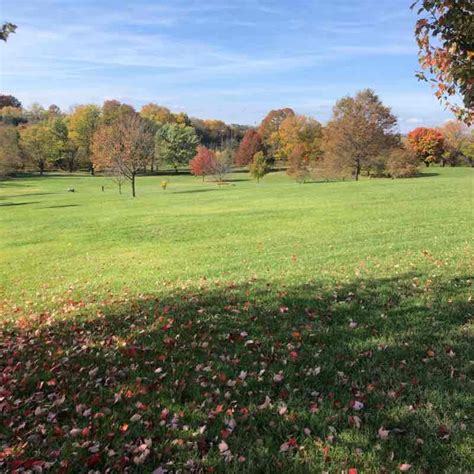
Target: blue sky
x=230, y=60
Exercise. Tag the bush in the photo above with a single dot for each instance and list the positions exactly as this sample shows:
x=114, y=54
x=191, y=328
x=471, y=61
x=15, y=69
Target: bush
x=402, y=163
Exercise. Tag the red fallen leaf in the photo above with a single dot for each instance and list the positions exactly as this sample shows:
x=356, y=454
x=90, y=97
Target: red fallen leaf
x=130, y=352
x=27, y=463
x=93, y=460
x=51, y=383
x=404, y=467
x=283, y=309
x=292, y=442
x=326, y=454
x=294, y=355
x=352, y=470
x=86, y=432
x=225, y=433
x=296, y=335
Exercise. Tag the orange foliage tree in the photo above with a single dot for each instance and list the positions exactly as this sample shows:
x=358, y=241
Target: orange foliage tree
x=125, y=146
x=427, y=143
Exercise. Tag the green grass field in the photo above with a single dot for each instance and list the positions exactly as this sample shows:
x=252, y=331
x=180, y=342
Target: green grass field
x=245, y=328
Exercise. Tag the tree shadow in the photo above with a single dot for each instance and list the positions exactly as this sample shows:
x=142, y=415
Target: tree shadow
x=60, y=206
x=190, y=191
x=255, y=364
x=8, y=204
x=429, y=174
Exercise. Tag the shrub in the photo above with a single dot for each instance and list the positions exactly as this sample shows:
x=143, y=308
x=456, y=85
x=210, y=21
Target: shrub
x=402, y=163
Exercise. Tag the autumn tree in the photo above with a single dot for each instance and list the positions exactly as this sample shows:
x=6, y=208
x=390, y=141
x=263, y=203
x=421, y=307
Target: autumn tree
x=9, y=101
x=175, y=145
x=427, y=143
x=38, y=145
x=113, y=110
x=361, y=128
x=445, y=37
x=456, y=136
x=82, y=124
x=9, y=150
x=203, y=163
x=157, y=113
x=259, y=167
x=12, y=115
x=222, y=164
x=269, y=128
x=123, y=146
x=250, y=144
x=298, y=164
x=304, y=133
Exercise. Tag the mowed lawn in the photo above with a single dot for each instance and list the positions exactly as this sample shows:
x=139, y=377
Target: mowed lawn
x=244, y=328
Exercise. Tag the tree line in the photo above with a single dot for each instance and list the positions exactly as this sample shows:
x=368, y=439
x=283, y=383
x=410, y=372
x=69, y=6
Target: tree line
x=360, y=138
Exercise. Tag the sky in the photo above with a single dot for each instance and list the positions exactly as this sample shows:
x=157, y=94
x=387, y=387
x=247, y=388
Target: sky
x=229, y=60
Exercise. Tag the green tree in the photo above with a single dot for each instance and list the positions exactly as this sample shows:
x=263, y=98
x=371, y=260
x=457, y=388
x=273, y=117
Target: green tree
x=259, y=167
x=9, y=150
x=175, y=145
x=65, y=151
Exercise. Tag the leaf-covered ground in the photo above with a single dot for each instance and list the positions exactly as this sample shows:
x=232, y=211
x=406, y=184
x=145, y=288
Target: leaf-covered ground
x=304, y=366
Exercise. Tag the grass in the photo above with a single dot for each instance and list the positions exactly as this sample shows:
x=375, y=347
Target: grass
x=247, y=328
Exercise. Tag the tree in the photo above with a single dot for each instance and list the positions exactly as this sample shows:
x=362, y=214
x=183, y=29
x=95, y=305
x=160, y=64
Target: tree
x=269, y=128
x=157, y=113
x=9, y=101
x=250, y=144
x=427, y=143
x=82, y=124
x=175, y=144
x=445, y=38
x=53, y=112
x=456, y=136
x=112, y=110
x=361, y=128
x=298, y=131
x=298, y=164
x=9, y=150
x=38, y=144
x=12, y=116
x=124, y=146
x=6, y=29
x=36, y=113
x=259, y=167
x=222, y=164
x=203, y=163
x=401, y=163
x=65, y=151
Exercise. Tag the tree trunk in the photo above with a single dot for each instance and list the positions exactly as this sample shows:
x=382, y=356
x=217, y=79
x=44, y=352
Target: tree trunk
x=120, y=188
x=41, y=168
x=133, y=186
x=91, y=169
x=427, y=163
x=357, y=170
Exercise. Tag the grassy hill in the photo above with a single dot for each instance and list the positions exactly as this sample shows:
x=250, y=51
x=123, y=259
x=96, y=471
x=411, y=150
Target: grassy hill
x=250, y=327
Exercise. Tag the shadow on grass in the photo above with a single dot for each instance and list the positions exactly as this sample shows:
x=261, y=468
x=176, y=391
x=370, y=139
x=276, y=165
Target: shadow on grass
x=9, y=204
x=192, y=191
x=60, y=206
x=256, y=365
